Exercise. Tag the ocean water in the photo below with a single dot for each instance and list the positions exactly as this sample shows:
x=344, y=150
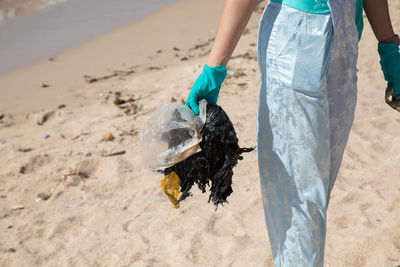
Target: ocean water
x=12, y=8
x=63, y=25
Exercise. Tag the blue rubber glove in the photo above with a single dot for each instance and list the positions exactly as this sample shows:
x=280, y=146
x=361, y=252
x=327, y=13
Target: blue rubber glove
x=206, y=86
x=390, y=63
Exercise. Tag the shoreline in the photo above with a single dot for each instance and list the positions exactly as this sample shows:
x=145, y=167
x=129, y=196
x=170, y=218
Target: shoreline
x=29, y=38
x=55, y=80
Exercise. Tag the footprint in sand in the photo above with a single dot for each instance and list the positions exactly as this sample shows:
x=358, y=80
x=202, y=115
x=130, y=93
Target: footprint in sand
x=83, y=170
x=34, y=163
x=88, y=166
x=195, y=246
x=396, y=240
x=352, y=197
x=225, y=225
x=61, y=227
x=342, y=222
x=395, y=204
x=125, y=168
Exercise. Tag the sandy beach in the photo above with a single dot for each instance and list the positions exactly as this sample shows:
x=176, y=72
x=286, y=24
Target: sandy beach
x=73, y=191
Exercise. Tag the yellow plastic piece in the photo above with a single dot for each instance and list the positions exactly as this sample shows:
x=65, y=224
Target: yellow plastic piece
x=170, y=186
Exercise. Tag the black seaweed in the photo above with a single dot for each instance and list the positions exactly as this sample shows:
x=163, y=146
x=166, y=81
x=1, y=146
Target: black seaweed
x=219, y=154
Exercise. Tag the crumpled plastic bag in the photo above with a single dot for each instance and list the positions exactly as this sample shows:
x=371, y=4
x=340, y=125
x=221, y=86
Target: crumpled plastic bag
x=171, y=135
x=213, y=165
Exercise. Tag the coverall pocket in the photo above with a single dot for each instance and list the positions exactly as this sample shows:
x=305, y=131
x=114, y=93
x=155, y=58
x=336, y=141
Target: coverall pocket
x=299, y=55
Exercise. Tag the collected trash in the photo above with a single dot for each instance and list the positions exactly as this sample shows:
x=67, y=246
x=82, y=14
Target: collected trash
x=170, y=186
x=188, y=153
x=171, y=135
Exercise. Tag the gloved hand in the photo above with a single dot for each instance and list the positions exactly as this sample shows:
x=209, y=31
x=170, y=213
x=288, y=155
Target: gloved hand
x=390, y=63
x=206, y=86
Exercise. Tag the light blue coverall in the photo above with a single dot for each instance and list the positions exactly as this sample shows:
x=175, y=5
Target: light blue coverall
x=306, y=109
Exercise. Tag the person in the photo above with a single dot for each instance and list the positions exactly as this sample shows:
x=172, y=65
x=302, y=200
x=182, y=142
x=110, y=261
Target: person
x=307, y=53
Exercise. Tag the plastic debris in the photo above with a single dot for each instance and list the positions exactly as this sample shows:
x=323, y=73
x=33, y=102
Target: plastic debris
x=171, y=135
x=214, y=164
x=170, y=186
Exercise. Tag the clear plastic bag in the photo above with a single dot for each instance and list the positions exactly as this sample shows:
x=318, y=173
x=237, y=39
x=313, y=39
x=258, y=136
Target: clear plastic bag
x=171, y=135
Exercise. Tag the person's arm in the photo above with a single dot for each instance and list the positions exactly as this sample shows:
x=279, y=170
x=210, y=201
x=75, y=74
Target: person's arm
x=377, y=12
x=388, y=48
x=234, y=18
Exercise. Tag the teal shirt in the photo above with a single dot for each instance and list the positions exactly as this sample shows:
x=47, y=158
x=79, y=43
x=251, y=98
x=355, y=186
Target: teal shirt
x=310, y=6
x=359, y=18
x=321, y=7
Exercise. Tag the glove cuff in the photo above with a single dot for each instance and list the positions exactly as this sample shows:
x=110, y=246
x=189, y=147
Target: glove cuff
x=216, y=75
x=387, y=49
x=390, y=64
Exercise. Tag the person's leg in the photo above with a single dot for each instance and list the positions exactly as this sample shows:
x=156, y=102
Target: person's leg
x=293, y=132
